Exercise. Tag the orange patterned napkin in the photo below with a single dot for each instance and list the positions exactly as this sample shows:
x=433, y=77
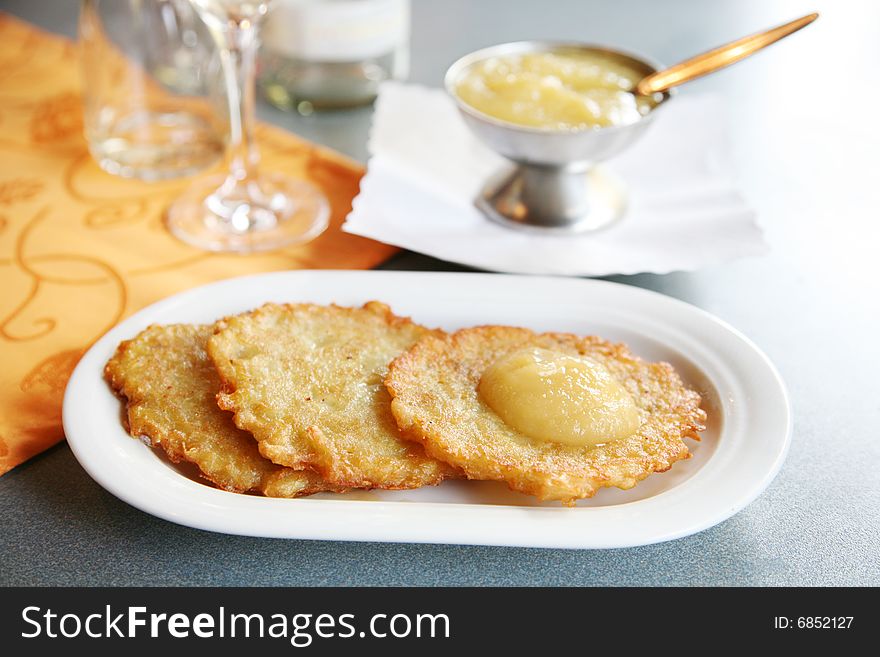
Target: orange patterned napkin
x=81, y=249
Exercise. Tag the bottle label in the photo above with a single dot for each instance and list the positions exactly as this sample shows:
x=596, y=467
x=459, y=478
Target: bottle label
x=336, y=30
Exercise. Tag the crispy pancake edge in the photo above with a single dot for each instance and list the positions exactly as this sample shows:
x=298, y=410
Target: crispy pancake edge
x=549, y=471
x=273, y=480
x=309, y=447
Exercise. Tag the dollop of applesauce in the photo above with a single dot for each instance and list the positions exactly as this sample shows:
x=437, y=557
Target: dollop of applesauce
x=565, y=90
x=551, y=396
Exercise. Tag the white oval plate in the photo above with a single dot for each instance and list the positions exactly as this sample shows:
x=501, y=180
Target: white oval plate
x=741, y=451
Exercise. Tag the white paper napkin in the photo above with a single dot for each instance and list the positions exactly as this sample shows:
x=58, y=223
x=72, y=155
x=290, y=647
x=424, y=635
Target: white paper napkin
x=684, y=212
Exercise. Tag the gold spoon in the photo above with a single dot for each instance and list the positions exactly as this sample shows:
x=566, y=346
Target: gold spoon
x=711, y=61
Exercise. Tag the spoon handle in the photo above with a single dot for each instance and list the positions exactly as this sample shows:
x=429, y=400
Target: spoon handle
x=713, y=60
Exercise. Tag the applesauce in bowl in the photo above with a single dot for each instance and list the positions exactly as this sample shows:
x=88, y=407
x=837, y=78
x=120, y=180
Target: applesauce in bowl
x=555, y=110
x=556, y=88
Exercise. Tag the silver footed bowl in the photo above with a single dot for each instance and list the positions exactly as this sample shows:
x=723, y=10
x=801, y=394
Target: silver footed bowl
x=554, y=185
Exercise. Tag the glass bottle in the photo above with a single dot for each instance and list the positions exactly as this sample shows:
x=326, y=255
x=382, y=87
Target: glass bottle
x=328, y=54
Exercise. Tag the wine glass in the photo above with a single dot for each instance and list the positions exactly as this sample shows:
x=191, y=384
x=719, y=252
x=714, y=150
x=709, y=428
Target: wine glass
x=244, y=210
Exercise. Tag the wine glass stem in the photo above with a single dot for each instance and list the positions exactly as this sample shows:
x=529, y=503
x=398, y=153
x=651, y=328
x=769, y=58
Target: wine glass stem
x=238, y=59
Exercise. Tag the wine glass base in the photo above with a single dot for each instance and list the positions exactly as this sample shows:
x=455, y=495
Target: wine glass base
x=265, y=214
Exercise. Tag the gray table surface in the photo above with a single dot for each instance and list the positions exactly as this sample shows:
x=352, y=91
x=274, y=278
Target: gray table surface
x=806, y=148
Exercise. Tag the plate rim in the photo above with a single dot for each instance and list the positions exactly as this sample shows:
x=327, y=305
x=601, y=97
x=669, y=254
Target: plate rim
x=208, y=497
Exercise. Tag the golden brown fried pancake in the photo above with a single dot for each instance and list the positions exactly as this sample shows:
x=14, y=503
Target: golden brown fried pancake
x=436, y=402
x=171, y=385
x=307, y=382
